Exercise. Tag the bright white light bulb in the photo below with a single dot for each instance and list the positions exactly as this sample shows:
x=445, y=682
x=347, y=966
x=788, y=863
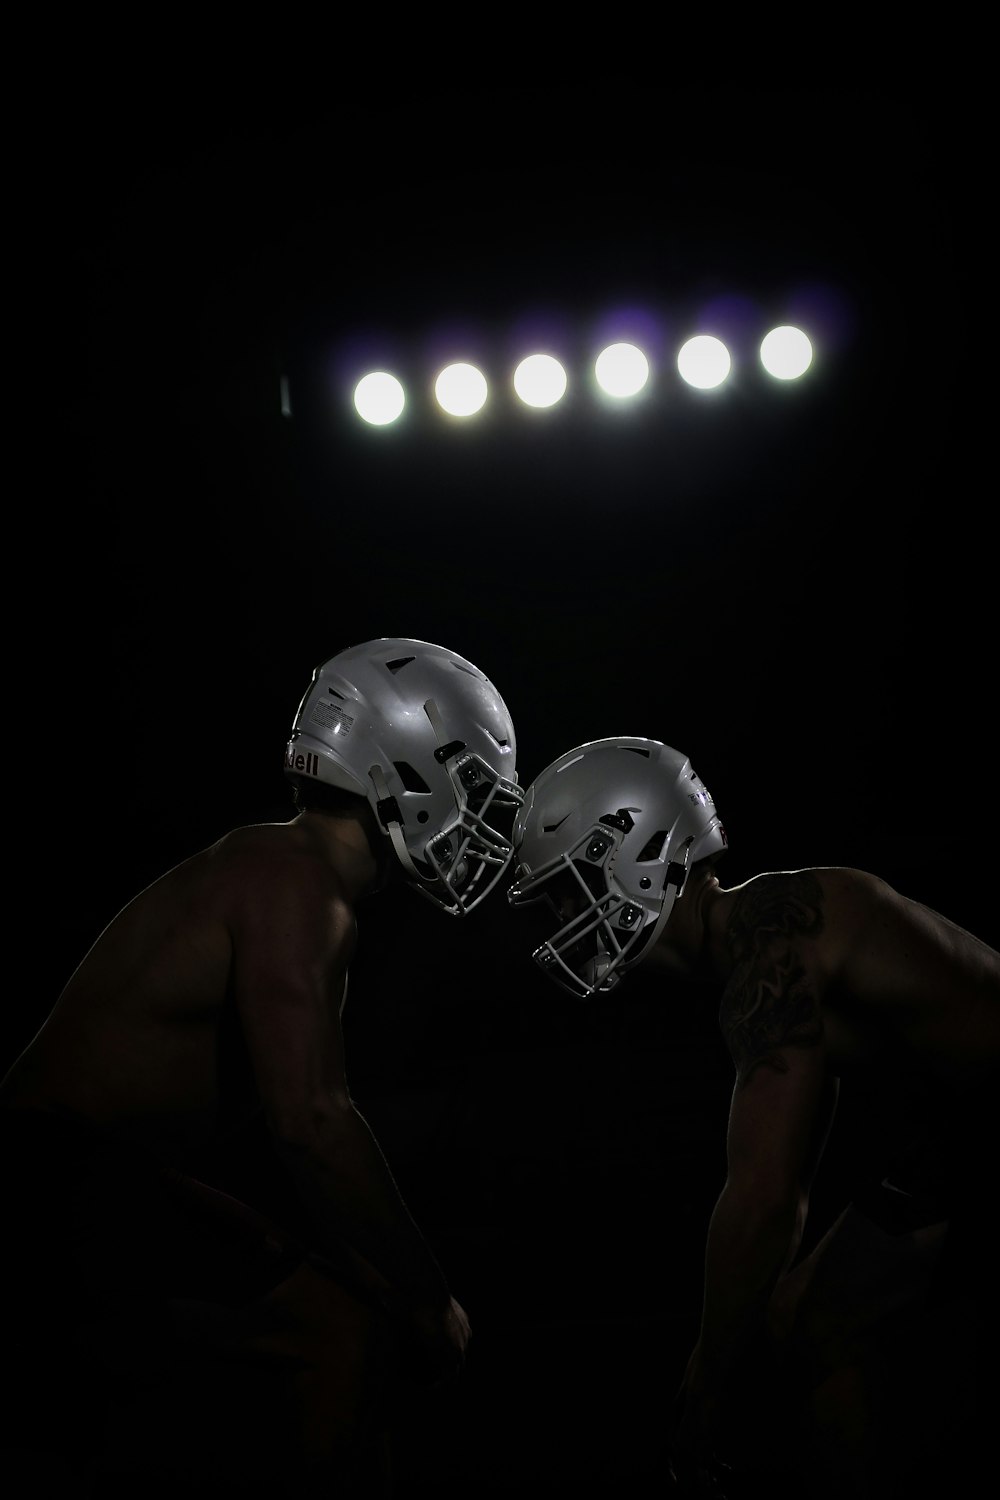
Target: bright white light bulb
x=621, y=370
x=540, y=380
x=786, y=353
x=379, y=398
x=460, y=390
x=704, y=361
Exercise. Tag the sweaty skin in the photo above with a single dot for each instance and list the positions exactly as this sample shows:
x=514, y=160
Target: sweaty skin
x=825, y=974
x=217, y=993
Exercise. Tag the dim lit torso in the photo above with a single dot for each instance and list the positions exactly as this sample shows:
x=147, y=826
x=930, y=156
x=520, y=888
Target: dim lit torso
x=145, y=1035
x=893, y=986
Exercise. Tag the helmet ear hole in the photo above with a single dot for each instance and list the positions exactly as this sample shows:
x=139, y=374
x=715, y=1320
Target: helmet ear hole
x=411, y=778
x=652, y=849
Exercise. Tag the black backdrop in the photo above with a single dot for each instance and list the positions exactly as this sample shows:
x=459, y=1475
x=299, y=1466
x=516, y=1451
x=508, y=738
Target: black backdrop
x=787, y=582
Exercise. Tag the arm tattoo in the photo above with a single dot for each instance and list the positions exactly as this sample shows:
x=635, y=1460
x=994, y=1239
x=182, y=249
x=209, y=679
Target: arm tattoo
x=770, y=1002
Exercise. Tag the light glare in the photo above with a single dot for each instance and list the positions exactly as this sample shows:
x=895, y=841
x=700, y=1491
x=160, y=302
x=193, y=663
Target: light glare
x=540, y=380
x=704, y=361
x=379, y=398
x=621, y=370
x=786, y=353
x=460, y=390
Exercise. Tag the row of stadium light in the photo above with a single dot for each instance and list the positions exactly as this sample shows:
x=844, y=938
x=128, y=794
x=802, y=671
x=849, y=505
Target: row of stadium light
x=621, y=371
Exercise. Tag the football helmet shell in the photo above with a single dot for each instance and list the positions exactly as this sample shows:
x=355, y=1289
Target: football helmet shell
x=426, y=738
x=605, y=837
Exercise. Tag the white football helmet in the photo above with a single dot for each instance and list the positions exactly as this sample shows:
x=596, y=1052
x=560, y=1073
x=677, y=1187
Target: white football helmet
x=605, y=837
x=427, y=739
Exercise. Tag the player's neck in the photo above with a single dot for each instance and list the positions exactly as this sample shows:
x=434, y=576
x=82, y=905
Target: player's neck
x=346, y=844
x=688, y=946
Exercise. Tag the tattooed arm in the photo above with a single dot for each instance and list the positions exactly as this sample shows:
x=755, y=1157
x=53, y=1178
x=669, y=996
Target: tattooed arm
x=781, y=1111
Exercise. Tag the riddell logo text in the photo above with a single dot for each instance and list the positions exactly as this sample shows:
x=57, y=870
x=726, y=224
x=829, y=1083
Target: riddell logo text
x=308, y=763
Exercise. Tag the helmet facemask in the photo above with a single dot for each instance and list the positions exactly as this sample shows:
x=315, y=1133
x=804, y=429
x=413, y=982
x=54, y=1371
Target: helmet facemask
x=459, y=863
x=603, y=931
x=605, y=838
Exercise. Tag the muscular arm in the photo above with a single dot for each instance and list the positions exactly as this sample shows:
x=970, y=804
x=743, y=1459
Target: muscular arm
x=777, y=1124
x=292, y=941
x=781, y=1111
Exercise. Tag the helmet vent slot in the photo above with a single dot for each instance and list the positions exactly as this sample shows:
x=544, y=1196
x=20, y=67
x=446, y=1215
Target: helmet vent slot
x=333, y=690
x=398, y=662
x=652, y=850
x=411, y=778
x=635, y=749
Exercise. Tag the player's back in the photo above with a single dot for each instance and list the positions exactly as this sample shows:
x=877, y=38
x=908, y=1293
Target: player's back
x=140, y=1035
x=920, y=991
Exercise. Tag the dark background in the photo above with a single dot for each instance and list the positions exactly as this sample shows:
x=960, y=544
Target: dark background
x=788, y=582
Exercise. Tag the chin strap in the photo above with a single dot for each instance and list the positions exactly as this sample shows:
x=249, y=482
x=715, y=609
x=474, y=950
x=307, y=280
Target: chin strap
x=387, y=810
x=388, y=813
x=676, y=875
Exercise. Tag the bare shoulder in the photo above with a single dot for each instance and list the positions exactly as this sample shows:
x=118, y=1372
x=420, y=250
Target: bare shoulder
x=269, y=871
x=859, y=903
x=260, y=842
x=266, y=847
x=837, y=958
x=786, y=901
x=832, y=904
x=774, y=924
